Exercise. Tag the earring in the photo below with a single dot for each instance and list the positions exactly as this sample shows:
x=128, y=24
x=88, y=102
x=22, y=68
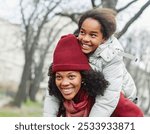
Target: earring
x=83, y=83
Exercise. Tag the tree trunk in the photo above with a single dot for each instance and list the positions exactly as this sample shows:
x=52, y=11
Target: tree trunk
x=22, y=92
x=109, y=3
x=25, y=79
x=38, y=77
x=36, y=84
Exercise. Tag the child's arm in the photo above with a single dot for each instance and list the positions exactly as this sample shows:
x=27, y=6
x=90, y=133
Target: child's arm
x=105, y=105
x=51, y=105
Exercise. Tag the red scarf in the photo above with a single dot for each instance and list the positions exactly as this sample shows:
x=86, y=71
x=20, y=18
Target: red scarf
x=81, y=107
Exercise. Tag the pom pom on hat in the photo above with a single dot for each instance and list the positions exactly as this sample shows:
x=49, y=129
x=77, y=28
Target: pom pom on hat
x=68, y=55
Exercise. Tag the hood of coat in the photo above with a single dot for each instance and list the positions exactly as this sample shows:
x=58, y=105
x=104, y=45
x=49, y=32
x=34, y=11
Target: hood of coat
x=109, y=49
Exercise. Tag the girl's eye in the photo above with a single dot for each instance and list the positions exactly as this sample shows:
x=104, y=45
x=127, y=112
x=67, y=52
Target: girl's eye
x=82, y=32
x=93, y=35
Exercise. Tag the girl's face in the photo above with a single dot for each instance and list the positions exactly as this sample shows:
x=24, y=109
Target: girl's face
x=69, y=83
x=90, y=35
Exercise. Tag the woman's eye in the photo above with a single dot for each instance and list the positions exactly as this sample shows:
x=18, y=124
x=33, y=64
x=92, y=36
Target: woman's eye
x=58, y=77
x=71, y=77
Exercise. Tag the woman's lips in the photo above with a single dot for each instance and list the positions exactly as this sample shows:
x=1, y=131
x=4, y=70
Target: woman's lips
x=67, y=91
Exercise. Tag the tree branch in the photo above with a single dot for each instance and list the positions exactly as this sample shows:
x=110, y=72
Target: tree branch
x=133, y=19
x=93, y=3
x=72, y=16
x=126, y=6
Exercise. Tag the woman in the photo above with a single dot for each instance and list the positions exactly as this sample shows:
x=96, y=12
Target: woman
x=72, y=81
x=76, y=85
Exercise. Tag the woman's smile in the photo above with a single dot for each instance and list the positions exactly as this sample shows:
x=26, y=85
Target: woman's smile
x=67, y=91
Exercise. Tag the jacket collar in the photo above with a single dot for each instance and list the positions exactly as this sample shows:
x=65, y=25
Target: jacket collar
x=108, y=50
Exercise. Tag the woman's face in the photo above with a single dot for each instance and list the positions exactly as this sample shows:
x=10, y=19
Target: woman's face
x=90, y=35
x=69, y=83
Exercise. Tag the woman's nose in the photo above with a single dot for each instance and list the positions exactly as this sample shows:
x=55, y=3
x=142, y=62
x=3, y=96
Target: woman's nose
x=65, y=82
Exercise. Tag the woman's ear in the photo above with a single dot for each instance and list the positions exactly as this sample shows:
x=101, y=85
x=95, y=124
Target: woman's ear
x=83, y=83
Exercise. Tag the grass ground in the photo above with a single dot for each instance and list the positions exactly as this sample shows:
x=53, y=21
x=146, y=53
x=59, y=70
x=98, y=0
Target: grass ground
x=28, y=109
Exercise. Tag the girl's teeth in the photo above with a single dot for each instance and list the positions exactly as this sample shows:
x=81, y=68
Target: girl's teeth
x=85, y=45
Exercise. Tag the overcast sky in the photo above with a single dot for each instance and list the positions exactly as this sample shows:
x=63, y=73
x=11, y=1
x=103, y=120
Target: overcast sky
x=9, y=9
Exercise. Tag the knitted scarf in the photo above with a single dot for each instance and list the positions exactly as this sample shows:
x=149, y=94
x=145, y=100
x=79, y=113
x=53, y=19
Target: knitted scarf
x=80, y=106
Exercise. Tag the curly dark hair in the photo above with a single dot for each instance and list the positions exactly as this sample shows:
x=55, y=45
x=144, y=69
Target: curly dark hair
x=93, y=83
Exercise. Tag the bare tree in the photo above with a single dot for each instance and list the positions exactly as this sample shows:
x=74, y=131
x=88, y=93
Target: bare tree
x=33, y=23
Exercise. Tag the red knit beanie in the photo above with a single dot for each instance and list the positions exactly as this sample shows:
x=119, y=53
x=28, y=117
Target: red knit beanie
x=68, y=55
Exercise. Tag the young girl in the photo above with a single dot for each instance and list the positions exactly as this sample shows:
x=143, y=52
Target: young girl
x=96, y=29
